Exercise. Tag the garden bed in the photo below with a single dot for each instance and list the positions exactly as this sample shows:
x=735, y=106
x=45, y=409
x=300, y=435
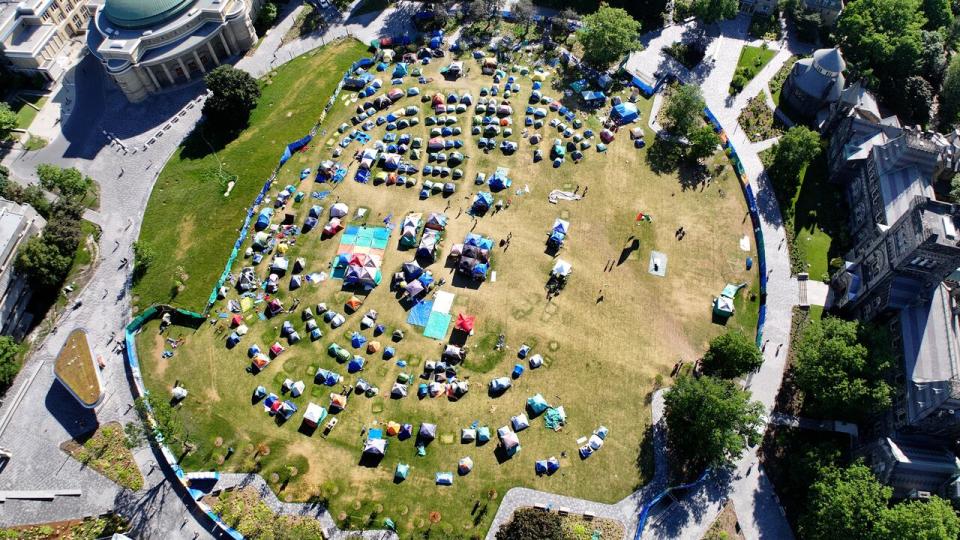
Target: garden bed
x=758, y=121
x=752, y=60
x=105, y=451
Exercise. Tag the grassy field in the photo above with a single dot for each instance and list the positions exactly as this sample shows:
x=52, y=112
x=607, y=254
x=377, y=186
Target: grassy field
x=819, y=221
x=25, y=113
x=189, y=222
x=602, y=358
x=752, y=60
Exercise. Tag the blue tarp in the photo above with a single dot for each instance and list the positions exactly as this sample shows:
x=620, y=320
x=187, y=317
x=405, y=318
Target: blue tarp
x=293, y=147
x=420, y=313
x=625, y=113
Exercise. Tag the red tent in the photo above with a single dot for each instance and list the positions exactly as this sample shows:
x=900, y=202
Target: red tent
x=237, y=320
x=465, y=322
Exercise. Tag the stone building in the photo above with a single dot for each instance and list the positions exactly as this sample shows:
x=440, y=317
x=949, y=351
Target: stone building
x=35, y=35
x=149, y=45
x=814, y=84
x=18, y=223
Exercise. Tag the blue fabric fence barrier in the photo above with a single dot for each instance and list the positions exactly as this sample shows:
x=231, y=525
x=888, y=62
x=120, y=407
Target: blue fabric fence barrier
x=645, y=511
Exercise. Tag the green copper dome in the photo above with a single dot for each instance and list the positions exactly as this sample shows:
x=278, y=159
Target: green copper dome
x=141, y=13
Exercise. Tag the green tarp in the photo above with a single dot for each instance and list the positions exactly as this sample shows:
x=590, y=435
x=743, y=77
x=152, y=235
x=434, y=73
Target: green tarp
x=555, y=417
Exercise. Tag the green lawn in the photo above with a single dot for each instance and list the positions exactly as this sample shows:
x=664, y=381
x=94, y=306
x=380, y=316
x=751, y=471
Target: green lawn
x=188, y=222
x=21, y=104
x=606, y=339
x=819, y=222
x=752, y=60
x=776, y=83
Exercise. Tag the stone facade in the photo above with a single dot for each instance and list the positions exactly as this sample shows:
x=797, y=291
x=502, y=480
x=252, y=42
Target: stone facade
x=144, y=60
x=18, y=223
x=34, y=34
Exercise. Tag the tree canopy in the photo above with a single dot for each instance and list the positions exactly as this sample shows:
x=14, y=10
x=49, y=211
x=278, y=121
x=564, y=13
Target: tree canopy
x=532, y=524
x=711, y=11
x=68, y=182
x=9, y=365
x=789, y=157
x=950, y=94
x=841, y=368
x=882, y=38
x=8, y=121
x=683, y=109
x=709, y=423
x=234, y=93
x=608, y=34
x=731, y=355
x=42, y=263
x=851, y=503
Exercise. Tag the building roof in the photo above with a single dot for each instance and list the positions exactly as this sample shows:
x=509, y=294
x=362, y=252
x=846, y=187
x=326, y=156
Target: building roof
x=141, y=13
x=930, y=353
x=829, y=61
x=905, y=166
x=821, y=76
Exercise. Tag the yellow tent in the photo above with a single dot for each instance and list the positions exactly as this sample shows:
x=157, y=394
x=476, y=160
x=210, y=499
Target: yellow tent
x=393, y=428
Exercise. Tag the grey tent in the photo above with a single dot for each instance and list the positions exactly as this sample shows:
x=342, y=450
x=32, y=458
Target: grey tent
x=428, y=432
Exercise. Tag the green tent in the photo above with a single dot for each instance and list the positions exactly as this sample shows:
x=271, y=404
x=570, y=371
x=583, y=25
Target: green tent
x=483, y=434
x=402, y=471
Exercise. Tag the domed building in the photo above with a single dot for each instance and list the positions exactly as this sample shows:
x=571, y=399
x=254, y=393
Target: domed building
x=814, y=83
x=149, y=45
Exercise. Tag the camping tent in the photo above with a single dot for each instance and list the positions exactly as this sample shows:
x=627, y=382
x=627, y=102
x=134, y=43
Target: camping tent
x=509, y=440
x=436, y=221
x=399, y=391
x=444, y=479
x=483, y=434
x=465, y=465
x=520, y=422
x=482, y=202
x=393, y=428
x=402, y=471
x=328, y=378
x=375, y=447
x=411, y=270
x=355, y=365
x=428, y=432
x=314, y=414
x=499, y=385
x=536, y=404
x=338, y=401
x=562, y=268
x=296, y=389
x=465, y=322
x=468, y=435
x=339, y=210
x=624, y=113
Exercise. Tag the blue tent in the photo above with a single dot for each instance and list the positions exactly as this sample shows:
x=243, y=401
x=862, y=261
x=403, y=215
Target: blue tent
x=355, y=365
x=540, y=466
x=499, y=181
x=328, y=378
x=482, y=202
x=310, y=224
x=553, y=465
x=625, y=112
x=253, y=350
x=263, y=219
x=316, y=211
x=499, y=385
x=357, y=340
x=517, y=371
x=480, y=270
x=481, y=242
x=483, y=434
x=537, y=404
x=406, y=431
x=425, y=279
x=593, y=97
x=400, y=70
x=389, y=353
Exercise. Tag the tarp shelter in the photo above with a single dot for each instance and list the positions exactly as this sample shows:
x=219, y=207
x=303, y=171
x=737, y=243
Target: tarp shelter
x=374, y=447
x=465, y=465
x=437, y=325
x=403, y=470
x=482, y=202
x=520, y=422
x=625, y=113
x=444, y=479
x=536, y=404
x=593, y=97
x=465, y=322
x=314, y=414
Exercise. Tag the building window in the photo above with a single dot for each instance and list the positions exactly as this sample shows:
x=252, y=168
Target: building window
x=78, y=22
x=923, y=262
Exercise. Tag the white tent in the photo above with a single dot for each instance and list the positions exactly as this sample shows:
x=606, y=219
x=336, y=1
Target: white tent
x=465, y=465
x=562, y=268
x=296, y=389
x=179, y=392
x=314, y=414
x=399, y=390
x=339, y=210
x=468, y=435
x=520, y=422
x=375, y=447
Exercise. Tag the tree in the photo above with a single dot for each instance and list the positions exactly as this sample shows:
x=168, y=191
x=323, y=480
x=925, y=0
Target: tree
x=42, y=264
x=166, y=420
x=683, y=110
x=933, y=57
x=840, y=366
x=709, y=423
x=711, y=11
x=844, y=503
x=532, y=524
x=938, y=14
x=731, y=355
x=703, y=143
x=789, y=157
x=268, y=16
x=934, y=519
x=9, y=363
x=143, y=255
x=882, y=38
x=607, y=35
x=522, y=13
x=133, y=434
x=68, y=182
x=8, y=121
x=233, y=94
x=950, y=94
x=914, y=99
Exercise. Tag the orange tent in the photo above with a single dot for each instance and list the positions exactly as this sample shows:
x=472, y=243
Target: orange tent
x=373, y=346
x=465, y=322
x=393, y=428
x=338, y=401
x=354, y=303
